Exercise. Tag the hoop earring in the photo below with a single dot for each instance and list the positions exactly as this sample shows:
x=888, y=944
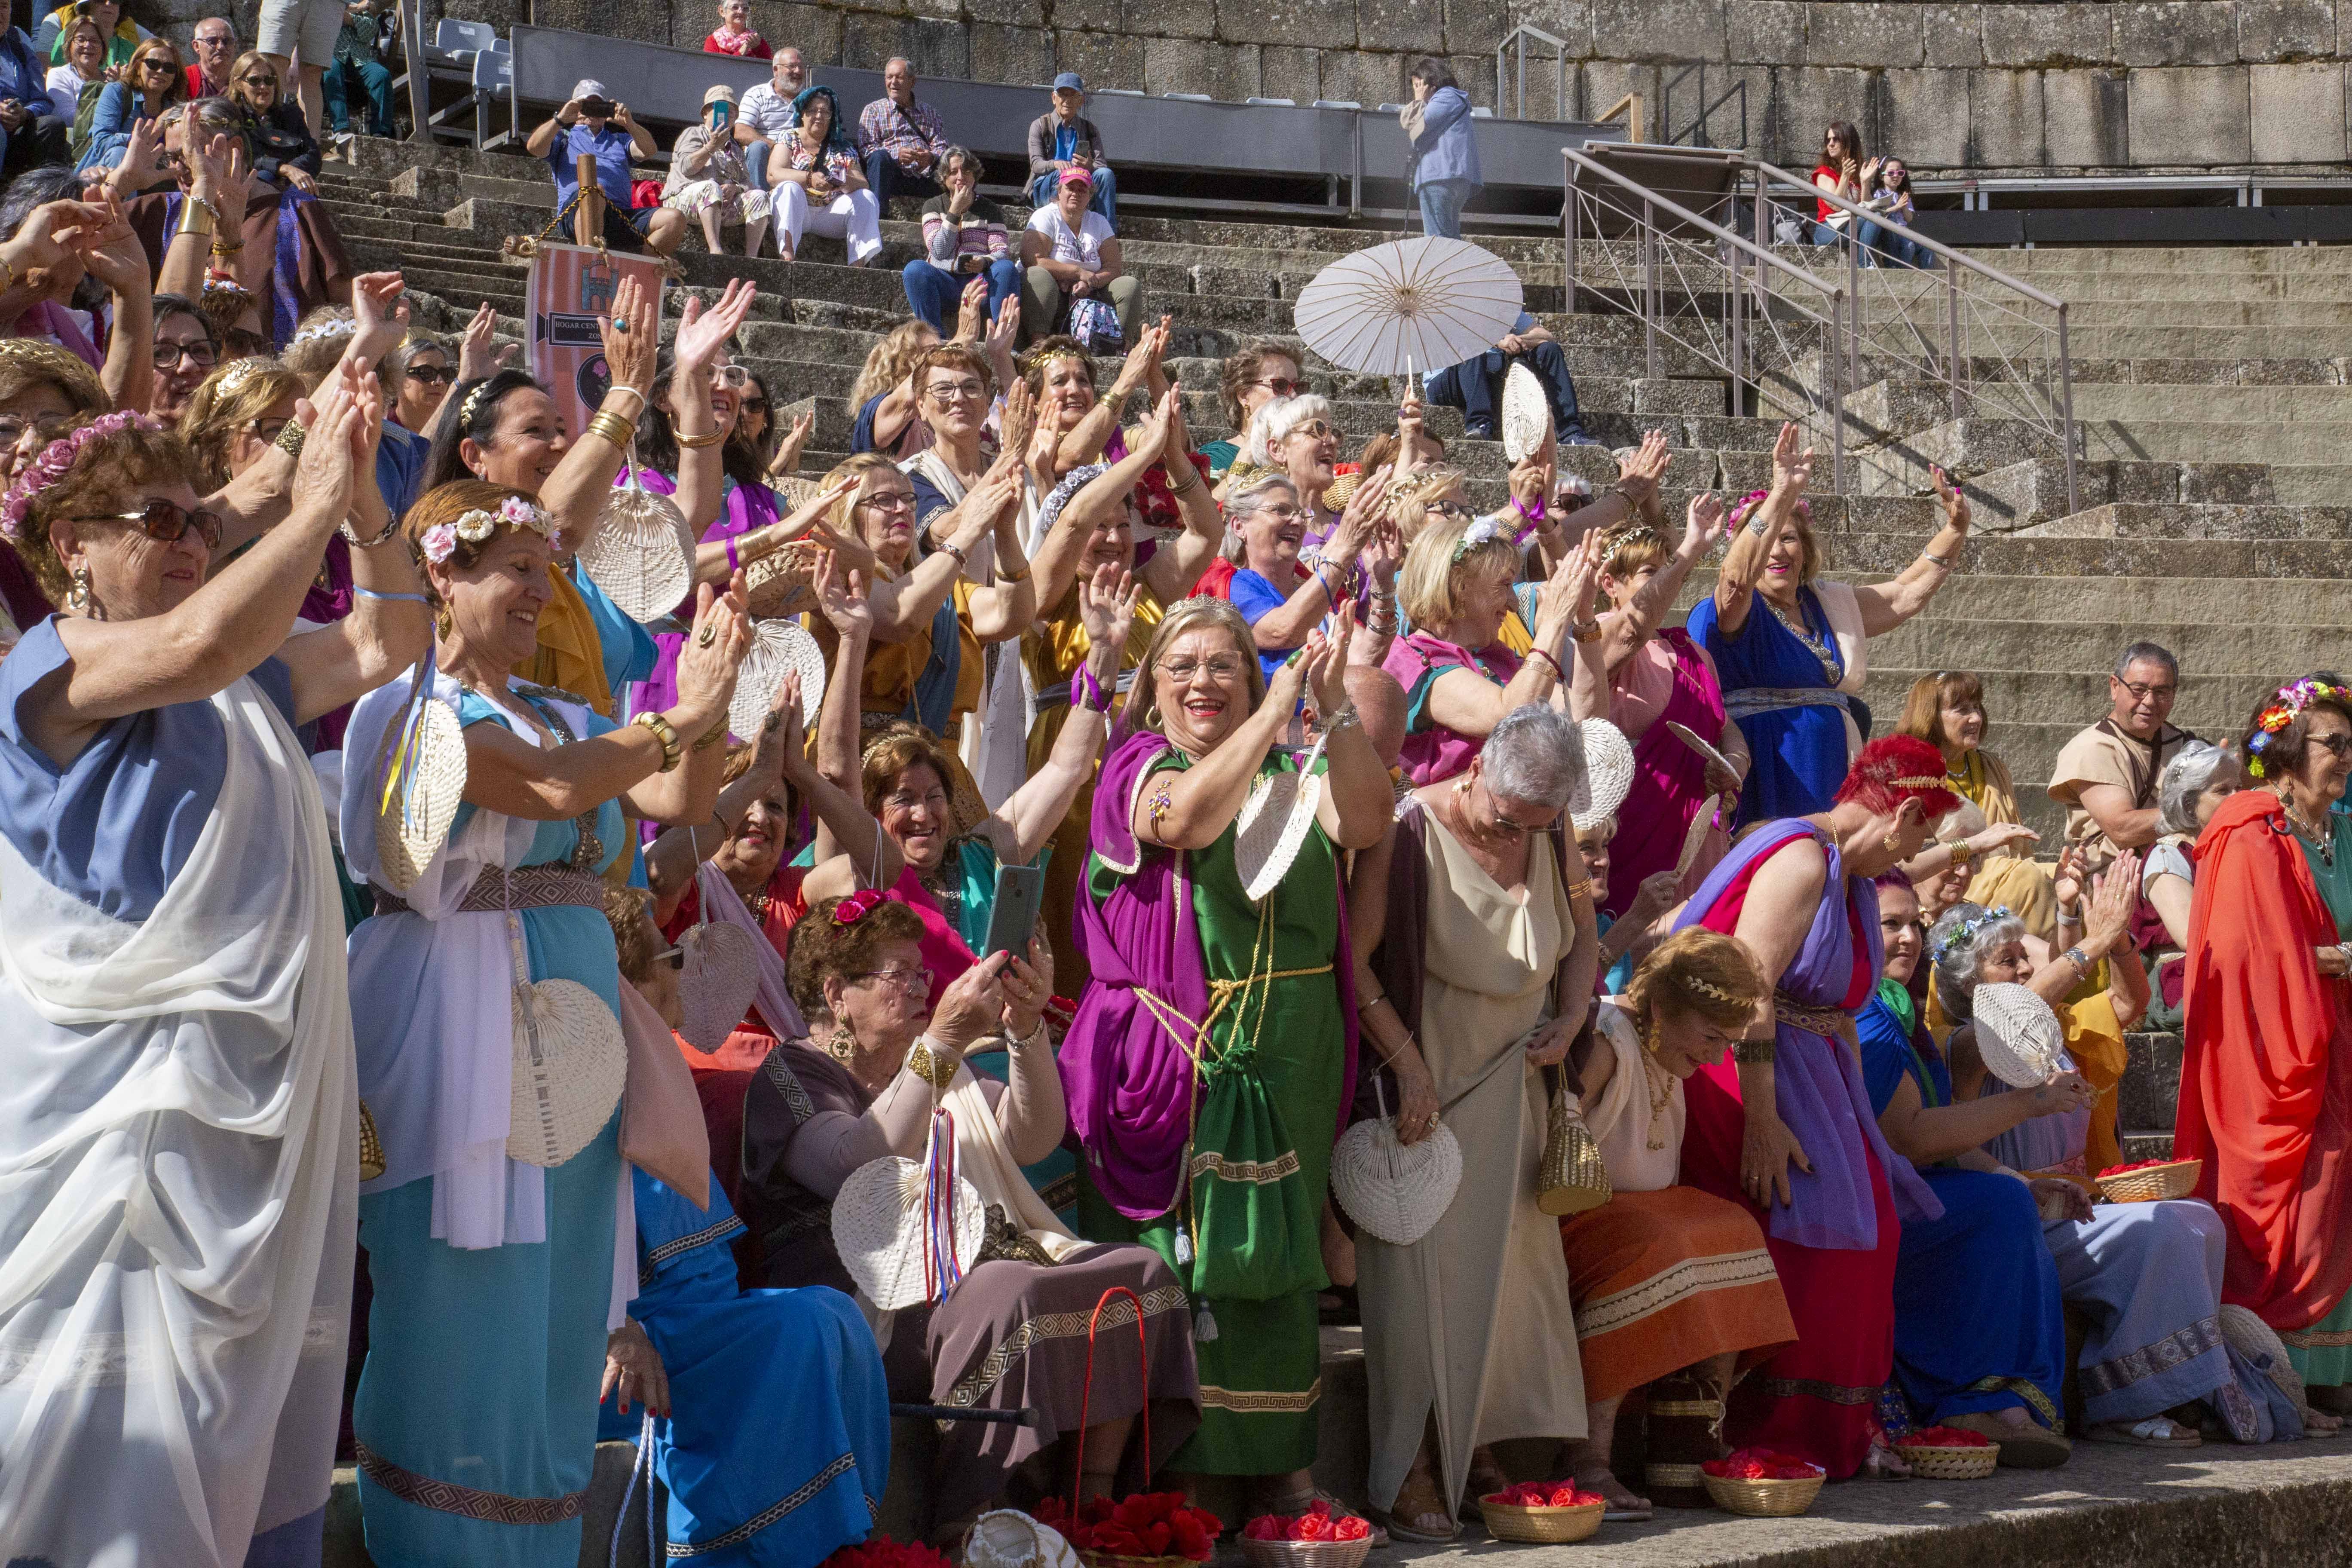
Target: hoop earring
x=77, y=591
x=1151, y=717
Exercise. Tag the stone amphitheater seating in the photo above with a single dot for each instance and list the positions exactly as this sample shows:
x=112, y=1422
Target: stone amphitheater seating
x=2214, y=387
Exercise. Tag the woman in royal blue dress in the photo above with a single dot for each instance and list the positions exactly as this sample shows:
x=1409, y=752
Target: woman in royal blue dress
x=1788, y=643
x=496, y=1277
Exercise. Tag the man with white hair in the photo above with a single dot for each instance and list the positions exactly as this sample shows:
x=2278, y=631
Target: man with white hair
x=766, y=114
x=900, y=140
x=593, y=123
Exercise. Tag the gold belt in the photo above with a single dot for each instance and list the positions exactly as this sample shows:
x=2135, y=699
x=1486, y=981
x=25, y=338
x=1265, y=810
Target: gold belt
x=1833, y=1023
x=530, y=888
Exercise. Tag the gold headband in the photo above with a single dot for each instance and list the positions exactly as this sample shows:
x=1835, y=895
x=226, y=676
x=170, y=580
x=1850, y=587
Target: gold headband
x=473, y=402
x=1705, y=988
x=1921, y=783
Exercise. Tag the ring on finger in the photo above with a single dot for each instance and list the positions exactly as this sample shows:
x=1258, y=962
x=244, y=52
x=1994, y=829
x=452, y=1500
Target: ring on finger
x=704, y=637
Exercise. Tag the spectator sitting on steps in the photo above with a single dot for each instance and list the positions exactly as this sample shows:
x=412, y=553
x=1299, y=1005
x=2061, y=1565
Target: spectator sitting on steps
x=590, y=122
x=32, y=132
x=817, y=184
x=2106, y=775
x=360, y=70
x=213, y=43
x=766, y=112
x=1071, y=260
x=1256, y=375
x=1063, y=139
x=899, y=140
x=963, y=238
x=708, y=181
x=1444, y=147
x=734, y=35
x=1889, y=185
x=1474, y=385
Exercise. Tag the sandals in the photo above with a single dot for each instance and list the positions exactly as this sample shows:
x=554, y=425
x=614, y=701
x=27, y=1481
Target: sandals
x=2156, y=1432
x=2025, y=1447
x=1881, y=1464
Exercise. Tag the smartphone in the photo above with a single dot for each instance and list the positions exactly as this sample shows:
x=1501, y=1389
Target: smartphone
x=1082, y=152
x=1012, y=919
x=725, y=112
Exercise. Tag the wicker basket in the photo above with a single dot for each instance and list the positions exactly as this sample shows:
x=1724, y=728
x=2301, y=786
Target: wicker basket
x=2153, y=1182
x=1764, y=1499
x=1932, y=1462
x=1093, y=1558
x=1543, y=1526
x=1305, y=1553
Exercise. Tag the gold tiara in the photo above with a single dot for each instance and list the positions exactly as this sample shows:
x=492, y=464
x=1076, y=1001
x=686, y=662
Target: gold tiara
x=1921, y=783
x=1722, y=994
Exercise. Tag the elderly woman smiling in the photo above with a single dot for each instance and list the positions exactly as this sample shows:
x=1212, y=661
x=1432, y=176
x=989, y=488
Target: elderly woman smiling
x=1280, y=597
x=160, y=816
x=1182, y=1104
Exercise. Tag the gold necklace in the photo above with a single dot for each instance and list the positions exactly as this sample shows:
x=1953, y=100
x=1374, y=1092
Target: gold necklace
x=2323, y=844
x=1660, y=1097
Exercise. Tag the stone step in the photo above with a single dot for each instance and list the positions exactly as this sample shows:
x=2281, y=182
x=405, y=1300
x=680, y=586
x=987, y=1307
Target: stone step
x=2134, y=520
x=2192, y=440
x=2150, y=598
x=2211, y=648
x=2151, y=1087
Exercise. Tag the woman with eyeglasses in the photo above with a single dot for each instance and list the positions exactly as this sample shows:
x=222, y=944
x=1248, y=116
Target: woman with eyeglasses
x=1790, y=645
x=1215, y=1049
x=153, y=81
x=1089, y=526
x=43, y=391
x=1476, y=952
x=175, y=985
x=505, y=429
x=76, y=83
x=491, y=1231
x=1266, y=575
x=1946, y=710
x=1260, y=372
x=235, y=414
x=1660, y=676
x=2267, y=1073
x=283, y=151
x=1298, y=438
x=882, y=1058
x=1459, y=680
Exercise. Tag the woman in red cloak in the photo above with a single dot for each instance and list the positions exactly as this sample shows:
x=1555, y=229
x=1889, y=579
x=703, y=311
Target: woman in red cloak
x=2266, y=1079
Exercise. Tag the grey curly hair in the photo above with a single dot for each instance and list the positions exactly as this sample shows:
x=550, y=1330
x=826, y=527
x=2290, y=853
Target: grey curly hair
x=1534, y=754
x=2188, y=775
x=1959, y=942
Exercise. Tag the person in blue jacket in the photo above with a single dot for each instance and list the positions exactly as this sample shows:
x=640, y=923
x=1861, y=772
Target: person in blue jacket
x=31, y=132
x=1445, y=149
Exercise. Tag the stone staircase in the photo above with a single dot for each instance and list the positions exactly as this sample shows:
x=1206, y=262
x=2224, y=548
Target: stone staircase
x=2213, y=388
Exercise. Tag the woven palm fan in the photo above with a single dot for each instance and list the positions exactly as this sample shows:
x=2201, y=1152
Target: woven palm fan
x=642, y=552
x=1527, y=414
x=879, y=1225
x=718, y=972
x=2018, y=1035
x=1271, y=825
x=1608, y=772
x=1397, y=1191
x=783, y=582
x=423, y=781
x=570, y=1064
x=778, y=648
x=1010, y=1539
x=2260, y=1344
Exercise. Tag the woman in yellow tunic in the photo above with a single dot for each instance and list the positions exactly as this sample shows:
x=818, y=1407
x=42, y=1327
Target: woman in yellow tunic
x=1088, y=527
x=1946, y=709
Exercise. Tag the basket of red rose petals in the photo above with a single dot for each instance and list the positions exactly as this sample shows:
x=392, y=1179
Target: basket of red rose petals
x=1765, y=1484
x=1948, y=1454
x=1547, y=1512
x=1153, y=1528
x=1316, y=1538
x=2150, y=1181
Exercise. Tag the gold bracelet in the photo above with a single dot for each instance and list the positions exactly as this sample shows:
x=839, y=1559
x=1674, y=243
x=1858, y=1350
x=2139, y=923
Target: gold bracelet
x=1748, y=1052
x=716, y=733
x=696, y=443
x=1579, y=888
x=662, y=732
x=931, y=1068
x=613, y=429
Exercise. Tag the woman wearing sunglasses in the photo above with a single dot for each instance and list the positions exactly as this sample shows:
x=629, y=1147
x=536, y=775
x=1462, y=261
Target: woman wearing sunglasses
x=160, y=811
x=1262, y=371
x=425, y=375
x=153, y=82
x=284, y=153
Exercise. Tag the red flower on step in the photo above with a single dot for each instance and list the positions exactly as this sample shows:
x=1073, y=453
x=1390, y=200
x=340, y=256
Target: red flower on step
x=881, y=1552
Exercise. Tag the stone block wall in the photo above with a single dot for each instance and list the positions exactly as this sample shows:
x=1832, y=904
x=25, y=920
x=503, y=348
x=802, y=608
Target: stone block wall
x=2068, y=85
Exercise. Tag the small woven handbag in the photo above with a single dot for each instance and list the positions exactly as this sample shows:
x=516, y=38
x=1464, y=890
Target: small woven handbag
x=1571, y=1178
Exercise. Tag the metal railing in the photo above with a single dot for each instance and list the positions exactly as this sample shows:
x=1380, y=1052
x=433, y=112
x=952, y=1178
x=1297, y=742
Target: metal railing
x=1511, y=85
x=1698, y=129
x=1800, y=339
x=1680, y=261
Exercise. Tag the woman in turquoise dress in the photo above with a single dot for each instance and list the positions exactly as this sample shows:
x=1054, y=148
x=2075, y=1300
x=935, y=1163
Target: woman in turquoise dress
x=1215, y=1049
x=496, y=1277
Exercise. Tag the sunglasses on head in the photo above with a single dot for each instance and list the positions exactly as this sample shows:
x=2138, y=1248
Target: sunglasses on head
x=433, y=375
x=167, y=521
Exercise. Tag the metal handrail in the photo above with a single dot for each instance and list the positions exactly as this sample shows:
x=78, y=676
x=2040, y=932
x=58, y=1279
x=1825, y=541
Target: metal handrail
x=1741, y=252
x=1519, y=38
x=1957, y=374
x=1706, y=108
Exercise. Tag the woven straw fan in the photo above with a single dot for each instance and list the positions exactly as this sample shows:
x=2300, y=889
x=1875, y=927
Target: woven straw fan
x=1397, y=1191
x=642, y=552
x=2018, y=1035
x=719, y=970
x=778, y=648
x=877, y=1228
x=423, y=781
x=570, y=1065
x=1271, y=825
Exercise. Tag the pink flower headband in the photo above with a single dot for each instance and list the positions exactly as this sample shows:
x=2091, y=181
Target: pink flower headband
x=1739, y=513
x=857, y=906
x=440, y=540
x=55, y=459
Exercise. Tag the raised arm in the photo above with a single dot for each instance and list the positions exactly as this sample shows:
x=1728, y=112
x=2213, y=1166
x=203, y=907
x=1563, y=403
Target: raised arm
x=1623, y=632
x=1032, y=814
x=1886, y=605
x=1097, y=501
x=575, y=493
x=903, y=607
x=673, y=857
x=1189, y=810
x=113, y=256
x=701, y=335
x=1357, y=805
x=1743, y=563
x=843, y=824
x=1085, y=441
x=1325, y=588
x=1468, y=703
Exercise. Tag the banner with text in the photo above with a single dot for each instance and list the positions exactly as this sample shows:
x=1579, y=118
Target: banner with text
x=571, y=288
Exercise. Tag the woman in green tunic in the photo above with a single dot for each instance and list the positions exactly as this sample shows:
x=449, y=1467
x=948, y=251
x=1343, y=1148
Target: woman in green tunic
x=1215, y=1046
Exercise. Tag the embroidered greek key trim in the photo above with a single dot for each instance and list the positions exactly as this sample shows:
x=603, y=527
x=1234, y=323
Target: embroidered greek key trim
x=448, y=1497
x=1261, y=1402
x=678, y=1550
x=1257, y=1172
x=2315, y=1339
x=976, y=1384
x=1691, y=1276
x=2182, y=1345
x=796, y=1100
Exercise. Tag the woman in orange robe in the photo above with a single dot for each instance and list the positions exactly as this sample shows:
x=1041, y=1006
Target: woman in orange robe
x=2266, y=1079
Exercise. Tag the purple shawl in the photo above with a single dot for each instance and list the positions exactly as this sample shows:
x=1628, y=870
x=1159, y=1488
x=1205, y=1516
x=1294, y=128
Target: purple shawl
x=1126, y=1079
x=1818, y=1080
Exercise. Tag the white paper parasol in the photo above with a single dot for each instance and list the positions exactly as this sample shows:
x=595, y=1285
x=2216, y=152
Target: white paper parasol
x=1412, y=305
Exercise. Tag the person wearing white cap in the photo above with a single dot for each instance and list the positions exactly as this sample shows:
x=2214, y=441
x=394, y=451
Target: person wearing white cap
x=710, y=180
x=591, y=121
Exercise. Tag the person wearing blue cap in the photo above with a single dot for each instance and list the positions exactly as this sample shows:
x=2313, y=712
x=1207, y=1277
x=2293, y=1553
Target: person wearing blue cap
x=1064, y=137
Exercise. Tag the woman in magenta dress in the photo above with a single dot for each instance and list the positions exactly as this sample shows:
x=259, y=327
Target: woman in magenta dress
x=1657, y=676
x=1788, y=1128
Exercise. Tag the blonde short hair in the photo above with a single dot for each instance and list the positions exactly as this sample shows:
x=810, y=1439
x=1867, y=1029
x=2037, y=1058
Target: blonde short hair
x=1438, y=563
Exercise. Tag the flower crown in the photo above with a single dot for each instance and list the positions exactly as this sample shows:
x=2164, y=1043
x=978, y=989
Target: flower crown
x=440, y=540
x=320, y=331
x=1485, y=531
x=1967, y=928
x=2292, y=701
x=55, y=459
